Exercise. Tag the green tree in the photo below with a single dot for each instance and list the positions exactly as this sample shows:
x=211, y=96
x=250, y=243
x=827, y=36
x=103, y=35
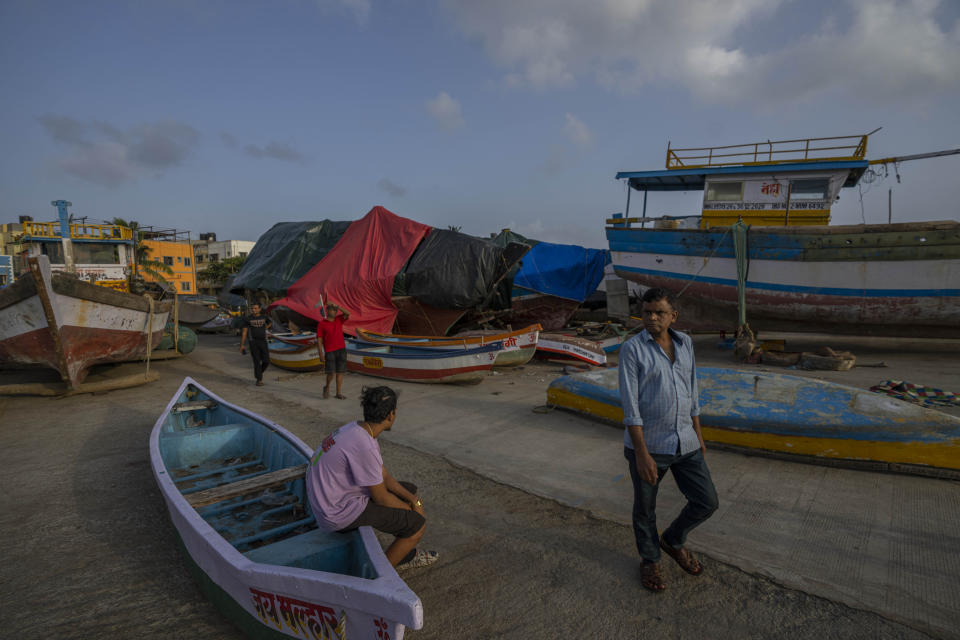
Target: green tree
x=142, y=260
x=217, y=272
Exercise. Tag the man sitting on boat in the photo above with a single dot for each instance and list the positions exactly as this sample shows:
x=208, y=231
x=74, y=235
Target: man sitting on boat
x=349, y=487
x=658, y=392
x=333, y=347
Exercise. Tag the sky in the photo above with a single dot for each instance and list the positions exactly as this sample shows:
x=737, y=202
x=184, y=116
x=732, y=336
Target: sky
x=232, y=115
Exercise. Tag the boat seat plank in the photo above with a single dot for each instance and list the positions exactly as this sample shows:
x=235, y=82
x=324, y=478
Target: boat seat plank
x=241, y=487
x=181, y=407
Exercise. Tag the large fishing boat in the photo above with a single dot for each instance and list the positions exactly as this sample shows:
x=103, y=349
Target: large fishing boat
x=794, y=271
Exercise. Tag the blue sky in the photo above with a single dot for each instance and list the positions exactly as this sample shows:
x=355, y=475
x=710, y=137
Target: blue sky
x=232, y=116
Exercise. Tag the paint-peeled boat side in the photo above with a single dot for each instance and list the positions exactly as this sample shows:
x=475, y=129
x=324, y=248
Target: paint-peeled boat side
x=791, y=414
x=421, y=365
x=91, y=325
x=295, y=357
x=274, y=600
x=881, y=279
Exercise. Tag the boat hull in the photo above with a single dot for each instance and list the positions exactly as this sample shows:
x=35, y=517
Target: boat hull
x=564, y=347
x=421, y=365
x=866, y=279
x=55, y=321
x=551, y=312
x=518, y=346
x=791, y=414
x=295, y=357
x=270, y=600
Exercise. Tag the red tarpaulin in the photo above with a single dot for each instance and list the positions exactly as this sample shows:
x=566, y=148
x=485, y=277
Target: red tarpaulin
x=358, y=272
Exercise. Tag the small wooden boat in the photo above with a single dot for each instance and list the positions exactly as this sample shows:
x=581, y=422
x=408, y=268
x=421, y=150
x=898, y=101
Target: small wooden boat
x=518, y=346
x=233, y=483
x=55, y=320
x=302, y=339
x=413, y=364
x=566, y=347
x=295, y=357
x=791, y=414
x=195, y=314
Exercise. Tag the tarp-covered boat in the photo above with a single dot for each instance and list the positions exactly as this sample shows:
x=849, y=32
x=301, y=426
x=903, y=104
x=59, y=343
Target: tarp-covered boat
x=465, y=366
x=553, y=281
x=60, y=322
x=518, y=346
x=285, y=253
x=233, y=484
x=790, y=414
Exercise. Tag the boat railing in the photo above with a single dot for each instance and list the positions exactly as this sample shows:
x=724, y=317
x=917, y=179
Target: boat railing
x=832, y=149
x=77, y=230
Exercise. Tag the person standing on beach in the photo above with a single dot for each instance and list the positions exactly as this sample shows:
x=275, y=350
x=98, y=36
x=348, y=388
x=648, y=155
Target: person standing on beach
x=332, y=346
x=658, y=391
x=257, y=324
x=348, y=485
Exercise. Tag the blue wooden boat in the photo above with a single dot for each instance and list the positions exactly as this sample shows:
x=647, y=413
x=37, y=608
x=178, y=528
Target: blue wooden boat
x=422, y=364
x=234, y=486
x=790, y=414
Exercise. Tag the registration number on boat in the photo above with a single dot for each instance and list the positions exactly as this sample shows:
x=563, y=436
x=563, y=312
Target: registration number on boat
x=372, y=363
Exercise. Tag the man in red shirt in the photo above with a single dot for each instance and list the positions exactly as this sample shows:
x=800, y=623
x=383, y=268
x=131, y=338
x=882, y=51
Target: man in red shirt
x=332, y=346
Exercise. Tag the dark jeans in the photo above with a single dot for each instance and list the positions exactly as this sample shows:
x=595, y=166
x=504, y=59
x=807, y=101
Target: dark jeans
x=260, y=353
x=693, y=479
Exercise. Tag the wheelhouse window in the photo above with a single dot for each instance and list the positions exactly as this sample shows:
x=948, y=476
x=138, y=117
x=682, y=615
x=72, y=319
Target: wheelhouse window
x=725, y=191
x=818, y=189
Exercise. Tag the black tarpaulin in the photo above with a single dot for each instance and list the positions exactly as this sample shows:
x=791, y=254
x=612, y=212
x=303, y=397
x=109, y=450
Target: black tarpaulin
x=452, y=270
x=285, y=253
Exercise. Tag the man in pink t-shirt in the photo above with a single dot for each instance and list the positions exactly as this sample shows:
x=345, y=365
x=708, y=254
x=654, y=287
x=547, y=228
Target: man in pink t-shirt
x=349, y=487
x=332, y=346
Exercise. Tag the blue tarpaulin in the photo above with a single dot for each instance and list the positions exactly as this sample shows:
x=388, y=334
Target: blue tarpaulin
x=562, y=270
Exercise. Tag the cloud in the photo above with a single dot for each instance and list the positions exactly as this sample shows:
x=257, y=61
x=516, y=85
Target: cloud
x=577, y=131
x=446, y=111
x=721, y=51
x=228, y=139
x=388, y=186
x=104, y=154
x=276, y=151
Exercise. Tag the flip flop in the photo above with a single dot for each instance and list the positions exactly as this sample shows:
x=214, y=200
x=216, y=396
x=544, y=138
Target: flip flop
x=340, y=397
x=651, y=578
x=326, y=393
x=683, y=558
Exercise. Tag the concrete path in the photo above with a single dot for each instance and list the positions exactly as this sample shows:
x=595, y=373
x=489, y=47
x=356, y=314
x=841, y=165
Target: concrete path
x=880, y=542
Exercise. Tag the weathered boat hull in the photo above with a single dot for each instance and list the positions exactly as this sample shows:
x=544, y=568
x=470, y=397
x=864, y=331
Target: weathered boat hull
x=518, y=346
x=898, y=279
x=272, y=581
x=55, y=321
x=468, y=366
x=791, y=414
x=299, y=339
x=562, y=346
x=551, y=312
x=294, y=357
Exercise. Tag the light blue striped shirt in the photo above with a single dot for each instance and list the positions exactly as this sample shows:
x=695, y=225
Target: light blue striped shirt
x=659, y=394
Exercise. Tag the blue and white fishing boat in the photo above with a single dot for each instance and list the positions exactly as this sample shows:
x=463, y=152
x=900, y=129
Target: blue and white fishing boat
x=790, y=414
x=797, y=273
x=233, y=482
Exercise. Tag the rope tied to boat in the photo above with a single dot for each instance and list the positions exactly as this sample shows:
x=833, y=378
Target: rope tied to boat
x=149, y=331
x=705, y=261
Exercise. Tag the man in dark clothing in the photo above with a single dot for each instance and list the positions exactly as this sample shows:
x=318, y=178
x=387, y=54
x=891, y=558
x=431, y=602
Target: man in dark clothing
x=257, y=324
x=332, y=346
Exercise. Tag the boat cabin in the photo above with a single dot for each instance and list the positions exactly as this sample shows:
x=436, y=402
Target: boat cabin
x=785, y=182
x=101, y=253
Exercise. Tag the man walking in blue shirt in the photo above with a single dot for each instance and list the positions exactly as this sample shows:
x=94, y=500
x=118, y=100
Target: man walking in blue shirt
x=658, y=391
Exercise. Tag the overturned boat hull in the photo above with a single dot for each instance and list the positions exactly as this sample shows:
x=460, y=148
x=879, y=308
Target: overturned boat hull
x=790, y=414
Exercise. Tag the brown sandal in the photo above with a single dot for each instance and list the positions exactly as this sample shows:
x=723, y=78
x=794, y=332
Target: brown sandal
x=683, y=558
x=651, y=578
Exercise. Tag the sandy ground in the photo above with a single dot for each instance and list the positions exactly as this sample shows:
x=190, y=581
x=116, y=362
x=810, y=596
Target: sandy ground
x=90, y=552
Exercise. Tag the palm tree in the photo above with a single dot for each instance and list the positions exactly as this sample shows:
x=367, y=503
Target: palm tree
x=142, y=260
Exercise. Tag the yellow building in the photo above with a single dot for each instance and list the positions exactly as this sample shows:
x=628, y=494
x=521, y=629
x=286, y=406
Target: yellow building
x=179, y=257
